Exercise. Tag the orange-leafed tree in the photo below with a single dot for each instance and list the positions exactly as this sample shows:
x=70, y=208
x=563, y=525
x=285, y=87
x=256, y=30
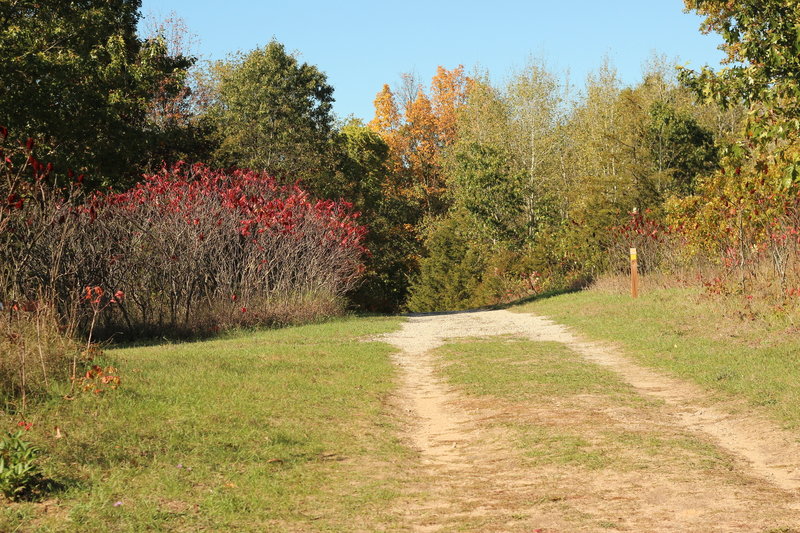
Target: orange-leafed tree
x=421, y=151
x=387, y=119
x=418, y=134
x=388, y=125
x=448, y=94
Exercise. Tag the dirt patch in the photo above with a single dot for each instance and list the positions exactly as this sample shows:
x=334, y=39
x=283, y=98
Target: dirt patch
x=716, y=472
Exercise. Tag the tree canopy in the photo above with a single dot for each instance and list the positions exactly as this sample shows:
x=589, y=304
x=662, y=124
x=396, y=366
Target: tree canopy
x=274, y=113
x=75, y=76
x=762, y=44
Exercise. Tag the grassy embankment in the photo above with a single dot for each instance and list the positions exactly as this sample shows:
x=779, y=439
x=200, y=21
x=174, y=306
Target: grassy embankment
x=275, y=430
x=714, y=341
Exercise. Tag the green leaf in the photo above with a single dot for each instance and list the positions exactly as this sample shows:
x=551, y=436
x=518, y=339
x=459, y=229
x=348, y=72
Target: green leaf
x=790, y=175
x=797, y=38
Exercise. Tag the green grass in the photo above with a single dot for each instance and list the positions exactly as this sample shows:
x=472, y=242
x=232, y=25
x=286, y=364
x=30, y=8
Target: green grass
x=555, y=400
x=275, y=430
x=516, y=369
x=714, y=342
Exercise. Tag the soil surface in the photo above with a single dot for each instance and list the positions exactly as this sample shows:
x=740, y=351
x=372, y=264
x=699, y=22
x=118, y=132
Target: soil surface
x=471, y=477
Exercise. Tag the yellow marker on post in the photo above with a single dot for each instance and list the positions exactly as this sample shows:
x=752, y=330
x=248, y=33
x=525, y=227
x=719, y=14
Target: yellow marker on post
x=634, y=274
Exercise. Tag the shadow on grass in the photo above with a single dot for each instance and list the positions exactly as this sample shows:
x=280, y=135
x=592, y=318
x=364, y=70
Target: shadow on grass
x=42, y=488
x=542, y=296
x=146, y=340
x=521, y=301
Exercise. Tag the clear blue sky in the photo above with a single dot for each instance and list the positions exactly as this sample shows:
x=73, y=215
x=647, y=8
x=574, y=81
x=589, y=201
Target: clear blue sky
x=361, y=44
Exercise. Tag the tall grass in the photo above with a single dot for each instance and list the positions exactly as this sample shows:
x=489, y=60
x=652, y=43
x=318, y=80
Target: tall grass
x=36, y=353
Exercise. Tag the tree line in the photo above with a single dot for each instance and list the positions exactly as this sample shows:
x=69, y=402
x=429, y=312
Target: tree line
x=473, y=192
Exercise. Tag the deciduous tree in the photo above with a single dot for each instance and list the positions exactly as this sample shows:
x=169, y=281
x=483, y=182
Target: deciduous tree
x=364, y=173
x=274, y=113
x=418, y=130
x=762, y=43
x=75, y=76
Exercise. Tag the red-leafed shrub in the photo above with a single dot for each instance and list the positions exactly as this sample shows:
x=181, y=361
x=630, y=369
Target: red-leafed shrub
x=192, y=249
x=653, y=240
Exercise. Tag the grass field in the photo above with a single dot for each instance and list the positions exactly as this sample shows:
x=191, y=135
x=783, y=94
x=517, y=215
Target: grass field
x=282, y=429
x=293, y=430
x=714, y=342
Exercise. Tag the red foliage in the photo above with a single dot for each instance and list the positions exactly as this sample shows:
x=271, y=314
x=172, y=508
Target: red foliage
x=256, y=199
x=177, y=245
x=645, y=233
x=188, y=240
x=641, y=227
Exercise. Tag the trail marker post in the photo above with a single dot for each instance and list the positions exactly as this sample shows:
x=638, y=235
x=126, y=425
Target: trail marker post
x=634, y=274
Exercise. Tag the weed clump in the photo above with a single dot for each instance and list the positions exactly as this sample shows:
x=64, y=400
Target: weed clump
x=19, y=473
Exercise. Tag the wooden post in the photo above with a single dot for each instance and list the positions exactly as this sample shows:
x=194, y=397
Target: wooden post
x=634, y=274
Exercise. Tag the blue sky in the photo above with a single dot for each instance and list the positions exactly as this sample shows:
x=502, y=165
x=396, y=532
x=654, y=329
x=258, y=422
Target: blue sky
x=361, y=45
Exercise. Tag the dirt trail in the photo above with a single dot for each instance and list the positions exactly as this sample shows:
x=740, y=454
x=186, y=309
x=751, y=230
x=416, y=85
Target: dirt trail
x=471, y=477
